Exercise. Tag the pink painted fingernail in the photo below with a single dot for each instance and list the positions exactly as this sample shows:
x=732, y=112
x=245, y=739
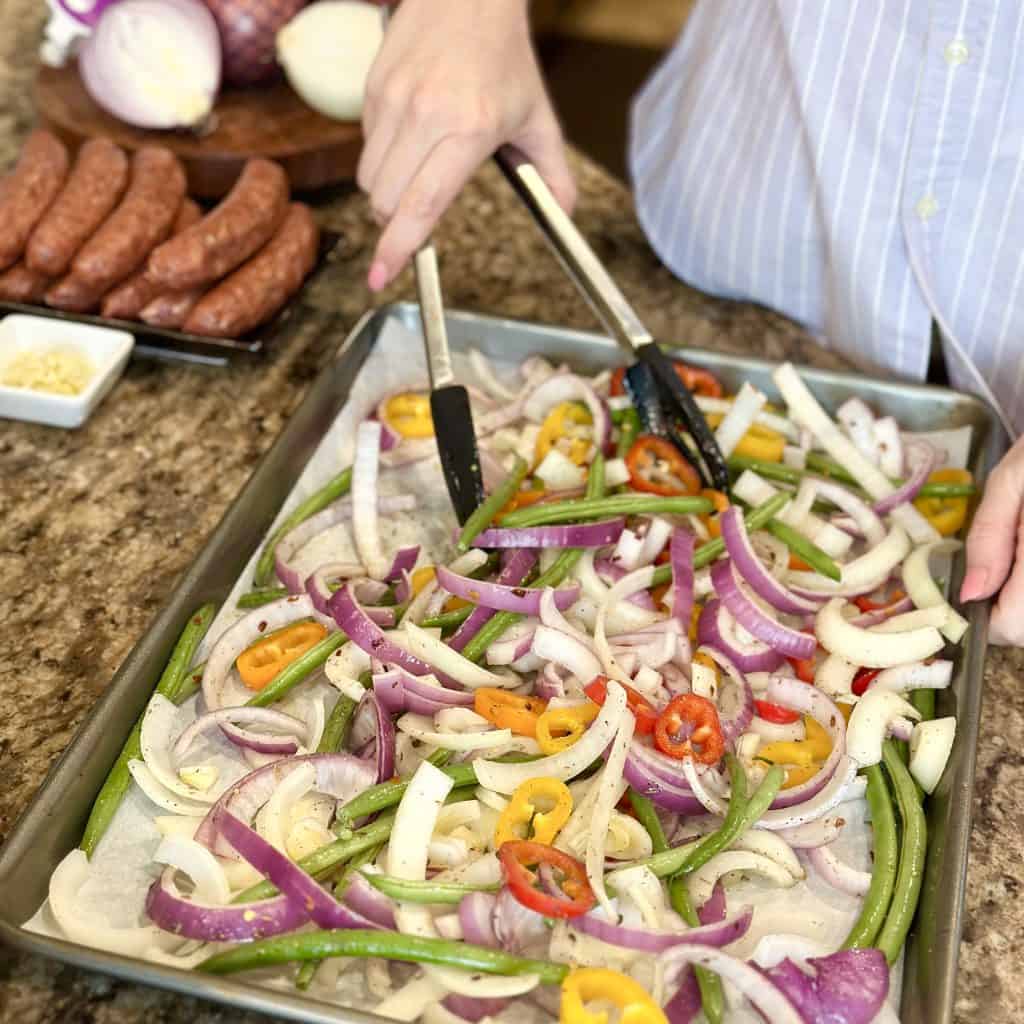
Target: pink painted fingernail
x=378, y=276
x=974, y=584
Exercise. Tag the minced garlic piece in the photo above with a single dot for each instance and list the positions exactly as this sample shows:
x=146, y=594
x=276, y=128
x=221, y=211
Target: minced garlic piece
x=59, y=371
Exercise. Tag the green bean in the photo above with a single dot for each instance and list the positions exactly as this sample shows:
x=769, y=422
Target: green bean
x=755, y=519
x=424, y=892
x=177, y=684
x=913, y=848
x=803, y=548
x=595, y=477
x=629, y=427
x=924, y=701
x=440, y=757
x=389, y=945
x=337, y=726
x=598, y=508
x=357, y=863
x=291, y=675
x=648, y=817
x=322, y=862
x=769, y=470
x=388, y=794
x=449, y=620
x=331, y=491
x=884, y=861
x=483, y=515
x=305, y=975
x=712, y=997
x=260, y=597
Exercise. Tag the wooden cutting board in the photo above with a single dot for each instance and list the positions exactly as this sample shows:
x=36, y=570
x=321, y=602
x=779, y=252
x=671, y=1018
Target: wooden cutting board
x=269, y=121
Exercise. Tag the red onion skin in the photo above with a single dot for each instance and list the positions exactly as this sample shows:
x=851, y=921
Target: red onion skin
x=499, y=597
x=513, y=571
x=476, y=915
x=681, y=547
x=372, y=904
x=709, y=634
x=717, y=933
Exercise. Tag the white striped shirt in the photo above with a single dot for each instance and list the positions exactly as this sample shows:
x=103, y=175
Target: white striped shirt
x=855, y=164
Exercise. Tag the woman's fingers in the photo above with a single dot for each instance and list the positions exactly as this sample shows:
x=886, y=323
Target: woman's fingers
x=993, y=537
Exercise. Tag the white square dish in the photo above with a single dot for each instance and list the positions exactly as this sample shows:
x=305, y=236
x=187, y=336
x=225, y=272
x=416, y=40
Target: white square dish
x=106, y=349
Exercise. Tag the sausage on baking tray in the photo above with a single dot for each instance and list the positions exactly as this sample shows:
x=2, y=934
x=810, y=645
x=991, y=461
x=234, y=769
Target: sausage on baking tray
x=259, y=288
x=243, y=222
x=92, y=190
x=27, y=192
x=73, y=295
x=171, y=309
x=141, y=221
x=20, y=284
x=127, y=300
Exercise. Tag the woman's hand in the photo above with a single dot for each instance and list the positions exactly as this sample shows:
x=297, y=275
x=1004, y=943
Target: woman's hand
x=452, y=82
x=995, y=549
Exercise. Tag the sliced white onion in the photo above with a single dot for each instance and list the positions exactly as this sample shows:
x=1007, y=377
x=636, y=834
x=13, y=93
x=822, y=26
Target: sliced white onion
x=624, y=617
x=559, y=473
x=738, y=420
x=701, y=882
x=196, y=861
x=924, y=592
x=421, y=728
x=774, y=847
x=869, y=647
x=435, y=652
x=834, y=676
x=874, y=564
x=485, y=372
x=365, y=524
x=273, y=821
x=917, y=675
x=930, y=747
x=640, y=579
x=616, y=473
x=772, y=420
x=837, y=873
x=561, y=649
x=411, y=1001
x=162, y=796
x=869, y=724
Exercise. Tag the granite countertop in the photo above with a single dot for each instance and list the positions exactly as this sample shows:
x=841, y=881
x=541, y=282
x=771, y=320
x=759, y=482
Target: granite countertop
x=97, y=524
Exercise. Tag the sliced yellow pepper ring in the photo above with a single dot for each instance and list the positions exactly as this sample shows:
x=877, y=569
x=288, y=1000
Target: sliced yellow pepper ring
x=592, y=984
x=560, y=728
x=797, y=776
x=947, y=515
x=522, y=814
x=818, y=740
x=694, y=618
x=557, y=425
x=421, y=577
x=802, y=758
x=408, y=414
x=757, y=443
x=509, y=710
x=260, y=663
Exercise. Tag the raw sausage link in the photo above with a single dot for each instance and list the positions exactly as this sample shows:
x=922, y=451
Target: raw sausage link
x=229, y=234
x=129, y=298
x=27, y=192
x=73, y=295
x=142, y=220
x=257, y=290
x=93, y=189
x=170, y=309
x=19, y=284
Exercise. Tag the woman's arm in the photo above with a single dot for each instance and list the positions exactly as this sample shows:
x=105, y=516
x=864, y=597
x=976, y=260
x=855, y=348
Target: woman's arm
x=452, y=82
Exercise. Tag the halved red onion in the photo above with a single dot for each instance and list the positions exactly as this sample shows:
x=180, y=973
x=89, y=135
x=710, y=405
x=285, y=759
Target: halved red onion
x=572, y=535
x=339, y=775
x=367, y=636
x=784, y=639
x=294, y=883
x=238, y=922
x=750, y=567
x=715, y=630
x=476, y=915
x=289, y=731
x=499, y=597
x=714, y=907
x=514, y=570
x=371, y=903
x=681, y=560
x=570, y=388
x=649, y=941
x=921, y=458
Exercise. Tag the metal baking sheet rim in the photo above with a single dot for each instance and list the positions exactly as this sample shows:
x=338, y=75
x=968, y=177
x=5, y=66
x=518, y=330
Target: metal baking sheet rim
x=52, y=823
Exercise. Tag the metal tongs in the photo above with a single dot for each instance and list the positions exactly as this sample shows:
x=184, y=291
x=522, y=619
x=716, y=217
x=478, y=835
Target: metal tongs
x=665, y=404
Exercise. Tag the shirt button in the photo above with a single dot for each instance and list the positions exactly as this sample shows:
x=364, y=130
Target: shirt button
x=956, y=53
x=927, y=207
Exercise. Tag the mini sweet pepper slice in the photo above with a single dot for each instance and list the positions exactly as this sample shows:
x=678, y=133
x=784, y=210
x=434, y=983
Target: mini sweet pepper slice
x=599, y=984
x=509, y=710
x=524, y=815
x=260, y=663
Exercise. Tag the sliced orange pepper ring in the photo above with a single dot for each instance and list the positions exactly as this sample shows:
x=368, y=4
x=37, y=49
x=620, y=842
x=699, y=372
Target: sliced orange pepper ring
x=509, y=710
x=260, y=663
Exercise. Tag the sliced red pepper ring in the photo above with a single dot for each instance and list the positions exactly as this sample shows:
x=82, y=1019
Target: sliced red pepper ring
x=657, y=467
x=865, y=604
x=643, y=711
x=689, y=727
x=862, y=680
x=575, y=896
x=700, y=382
x=775, y=713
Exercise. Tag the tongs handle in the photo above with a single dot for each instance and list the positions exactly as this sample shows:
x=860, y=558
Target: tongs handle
x=574, y=252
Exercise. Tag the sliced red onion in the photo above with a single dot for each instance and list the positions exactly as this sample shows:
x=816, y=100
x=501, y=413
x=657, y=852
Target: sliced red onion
x=371, y=903
x=339, y=775
x=714, y=907
x=319, y=589
x=784, y=639
x=338, y=512
x=640, y=772
x=384, y=738
x=573, y=655
x=750, y=567
x=570, y=388
x=514, y=644
x=398, y=691
x=499, y=597
x=847, y=987
x=516, y=927
x=476, y=915
x=549, y=684
x=404, y=561
x=921, y=457
x=265, y=743
x=650, y=941
x=473, y=1008
x=863, y=516
x=873, y=618
x=403, y=589
x=735, y=725
x=572, y=535
x=513, y=571
x=612, y=571
x=367, y=636
x=239, y=922
x=294, y=883
x=681, y=560
x=839, y=875
x=819, y=832
x=627, y=551
x=715, y=630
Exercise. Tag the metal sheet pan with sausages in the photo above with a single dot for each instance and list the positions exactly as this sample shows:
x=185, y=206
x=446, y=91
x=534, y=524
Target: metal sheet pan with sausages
x=116, y=238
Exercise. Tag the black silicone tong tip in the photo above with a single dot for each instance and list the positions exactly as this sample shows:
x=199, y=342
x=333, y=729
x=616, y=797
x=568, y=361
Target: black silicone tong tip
x=460, y=460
